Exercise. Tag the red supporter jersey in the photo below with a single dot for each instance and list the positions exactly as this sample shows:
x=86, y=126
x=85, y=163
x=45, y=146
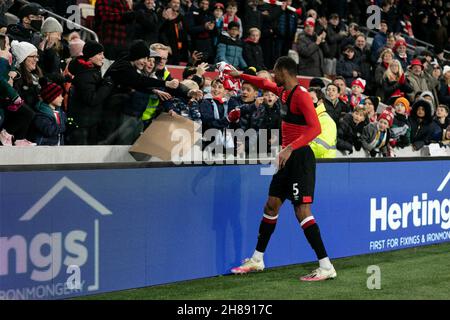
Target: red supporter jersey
x=295, y=135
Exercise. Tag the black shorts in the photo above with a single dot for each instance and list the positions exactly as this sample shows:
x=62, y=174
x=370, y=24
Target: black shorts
x=297, y=179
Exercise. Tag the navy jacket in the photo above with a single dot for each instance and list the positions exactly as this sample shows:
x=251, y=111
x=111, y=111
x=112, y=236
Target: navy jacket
x=48, y=131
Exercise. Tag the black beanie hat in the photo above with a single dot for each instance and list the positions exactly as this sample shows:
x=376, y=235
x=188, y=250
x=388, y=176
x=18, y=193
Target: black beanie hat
x=92, y=48
x=138, y=50
x=375, y=101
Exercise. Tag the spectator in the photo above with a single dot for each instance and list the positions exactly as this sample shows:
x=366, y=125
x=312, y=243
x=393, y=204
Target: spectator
x=252, y=18
x=362, y=53
x=186, y=108
x=428, y=95
x=347, y=65
x=4, y=6
x=29, y=26
x=324, y=145
x=401, y=54
x=267, y=117
x=112, y=17
x=445, y=140
x=117, y=125
x=174, y=32
x=386, y=58
x=89, y=92
x=421, y=123
x=353, y=33
x=335, y=36
x=379, y=41
x=27, y=85
x=50, y=119
x=148, y=23
x=54, y=51
x=334, y=106
x=215, y=111
x=230, y=16
x=230, y=47
x=444, y=89
x=370, y=107
x=218, y=20
x=350, y=129
x=441, y=118
x=285, y=30
x=311, y=50
x=375, y=136
x=202, y=29
x=253, y=53
x=400, y=131
x=356, y=96
x=395, y=83
x=417, y=78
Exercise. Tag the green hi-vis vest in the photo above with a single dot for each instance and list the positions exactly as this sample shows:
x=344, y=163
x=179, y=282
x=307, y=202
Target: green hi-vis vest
x=153, y=102
x=324, y=146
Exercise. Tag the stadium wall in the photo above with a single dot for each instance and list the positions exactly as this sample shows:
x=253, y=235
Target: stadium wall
x=75, y=231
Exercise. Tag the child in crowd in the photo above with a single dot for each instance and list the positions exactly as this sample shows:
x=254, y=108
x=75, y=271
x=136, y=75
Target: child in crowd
x=375, y=137
x=230, y=16
x=350, y=129
x=188, y=109
x=230, y=48
x=335, y=107
x=371, y=105
x=356, y=96
x=441, y=118
x=400, y=131
x=50, y=119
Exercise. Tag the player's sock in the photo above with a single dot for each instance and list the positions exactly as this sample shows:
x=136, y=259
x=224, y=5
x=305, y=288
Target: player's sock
x=325, y=263
x=312, y=233
x=266, y=229
x=258, y=256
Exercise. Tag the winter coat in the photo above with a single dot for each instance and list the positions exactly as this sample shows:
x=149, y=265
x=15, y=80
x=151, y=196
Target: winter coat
x=20, y=33
x=147, y=24
x=202, y=39
x=126, y=78
x=88, y=93
x=417, y=83
x=230, y=50
x=345, y=68
x=391, y=87
x=253, y=55
x=375, y=141
x=48, y=131
x=444, y=93
x=336, y=110
x=422, y=132
x=174, y=33
x=400, y=131
x=53, y=62
x=311, y=56
x=348, y=134
x=207, y=114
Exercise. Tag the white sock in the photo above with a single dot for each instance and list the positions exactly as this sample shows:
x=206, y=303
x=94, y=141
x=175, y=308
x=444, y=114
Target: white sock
x=258, y=256
x=325, y=263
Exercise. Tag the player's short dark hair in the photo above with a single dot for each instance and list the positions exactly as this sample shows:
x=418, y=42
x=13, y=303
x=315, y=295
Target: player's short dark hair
x=288, y=64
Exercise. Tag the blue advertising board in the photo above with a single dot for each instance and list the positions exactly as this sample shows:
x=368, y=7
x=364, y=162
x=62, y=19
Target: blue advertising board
x=79, y=232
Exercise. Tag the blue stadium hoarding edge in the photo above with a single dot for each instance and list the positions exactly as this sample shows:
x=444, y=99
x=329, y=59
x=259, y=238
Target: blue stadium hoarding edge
x=67, y=233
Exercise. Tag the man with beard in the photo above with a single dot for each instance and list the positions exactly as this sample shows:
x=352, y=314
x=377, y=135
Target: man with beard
x=295, y=179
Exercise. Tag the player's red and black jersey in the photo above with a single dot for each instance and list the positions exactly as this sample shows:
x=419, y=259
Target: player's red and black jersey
x=300, y=124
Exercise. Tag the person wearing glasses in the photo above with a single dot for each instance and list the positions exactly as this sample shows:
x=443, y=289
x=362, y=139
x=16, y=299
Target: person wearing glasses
x=18, y=121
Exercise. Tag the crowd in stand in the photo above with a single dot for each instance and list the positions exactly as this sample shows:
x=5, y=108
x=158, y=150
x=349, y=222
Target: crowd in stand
x=375, y=93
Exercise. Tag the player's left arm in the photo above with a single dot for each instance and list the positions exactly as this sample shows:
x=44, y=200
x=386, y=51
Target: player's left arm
x=303, y=104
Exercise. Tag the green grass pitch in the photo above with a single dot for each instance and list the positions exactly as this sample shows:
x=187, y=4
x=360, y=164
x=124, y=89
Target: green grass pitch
x=417, y=273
